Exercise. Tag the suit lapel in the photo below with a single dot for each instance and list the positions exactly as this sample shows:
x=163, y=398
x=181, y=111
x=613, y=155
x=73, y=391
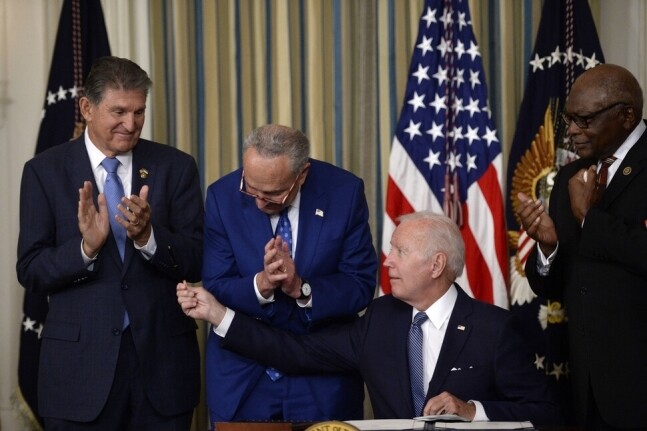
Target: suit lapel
x=458, y=330
x=142, y=174
x=632, y=166
x=401, y=322
x=78, y=168
x=312, y=211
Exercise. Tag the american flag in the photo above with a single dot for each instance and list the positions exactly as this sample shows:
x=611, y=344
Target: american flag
x=446, y=156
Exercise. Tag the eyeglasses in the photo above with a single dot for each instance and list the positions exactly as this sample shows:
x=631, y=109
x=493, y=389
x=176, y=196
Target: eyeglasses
x=583, y=121
x=243, y=190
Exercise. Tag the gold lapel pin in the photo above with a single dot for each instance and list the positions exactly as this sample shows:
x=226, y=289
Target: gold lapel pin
x=626, y=171
x=143, y=173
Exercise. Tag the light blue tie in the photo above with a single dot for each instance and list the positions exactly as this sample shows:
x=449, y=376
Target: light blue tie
x=416, y=366
x=283, y=228
x=114, y=191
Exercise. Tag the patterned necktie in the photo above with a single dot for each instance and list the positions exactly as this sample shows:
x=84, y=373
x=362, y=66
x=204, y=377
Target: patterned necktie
x=601, y=183
x=284, y=228
x=114, y=191
x=416, y=366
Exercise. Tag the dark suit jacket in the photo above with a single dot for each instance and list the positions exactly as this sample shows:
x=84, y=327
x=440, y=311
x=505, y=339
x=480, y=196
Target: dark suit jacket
x=483, y=358
x=81, y=335
x=334, y=253
x=600, y=271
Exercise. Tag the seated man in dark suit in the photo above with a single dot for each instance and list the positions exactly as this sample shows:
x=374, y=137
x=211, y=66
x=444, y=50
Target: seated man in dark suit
x=472, y=360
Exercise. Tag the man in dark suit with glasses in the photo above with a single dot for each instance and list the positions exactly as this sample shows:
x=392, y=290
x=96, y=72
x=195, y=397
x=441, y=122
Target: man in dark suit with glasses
x=592, y=247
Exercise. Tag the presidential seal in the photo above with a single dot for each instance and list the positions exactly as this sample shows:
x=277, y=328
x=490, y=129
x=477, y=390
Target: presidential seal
x=332, y=426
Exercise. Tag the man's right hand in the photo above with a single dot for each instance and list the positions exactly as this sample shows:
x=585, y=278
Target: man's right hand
x=537, y=223
x=274, y=268
x=94, y=224
x=198, y=303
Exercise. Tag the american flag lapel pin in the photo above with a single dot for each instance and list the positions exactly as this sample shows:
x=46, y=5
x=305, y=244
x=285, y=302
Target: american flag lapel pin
x=319, y=212
x=460, y=327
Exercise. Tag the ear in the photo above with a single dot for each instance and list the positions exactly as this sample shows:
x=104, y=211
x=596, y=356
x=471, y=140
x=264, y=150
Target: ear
x=86, y=108
x=438, y=264
x=304, y=175
x=629, y=114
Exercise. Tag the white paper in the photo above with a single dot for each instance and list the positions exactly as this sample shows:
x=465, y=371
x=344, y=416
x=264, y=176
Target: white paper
x=388, y=424
x=445, y=417
x=484, y=425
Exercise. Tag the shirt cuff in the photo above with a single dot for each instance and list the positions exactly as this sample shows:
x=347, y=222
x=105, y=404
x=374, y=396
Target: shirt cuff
x=222, y=329
x=149, y=249
x=543, y=262
x=87, y=260
x=305, y=304
x=260, y=298
x=480, y=412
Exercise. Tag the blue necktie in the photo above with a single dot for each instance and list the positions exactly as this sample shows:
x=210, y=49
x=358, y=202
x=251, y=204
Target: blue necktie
x=416, y=367
x=284, y=229
x=114, y=191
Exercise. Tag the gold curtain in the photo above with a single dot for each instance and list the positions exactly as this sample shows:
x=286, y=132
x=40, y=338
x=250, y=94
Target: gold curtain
x=334, y=69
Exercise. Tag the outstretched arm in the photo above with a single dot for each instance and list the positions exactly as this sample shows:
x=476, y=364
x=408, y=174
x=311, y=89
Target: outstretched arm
x=198, y=303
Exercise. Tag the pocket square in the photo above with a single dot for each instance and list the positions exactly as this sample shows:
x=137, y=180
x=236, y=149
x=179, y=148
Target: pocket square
x=460, y=369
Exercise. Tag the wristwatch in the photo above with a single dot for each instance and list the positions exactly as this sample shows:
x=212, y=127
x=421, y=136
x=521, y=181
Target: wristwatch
x=306, y=290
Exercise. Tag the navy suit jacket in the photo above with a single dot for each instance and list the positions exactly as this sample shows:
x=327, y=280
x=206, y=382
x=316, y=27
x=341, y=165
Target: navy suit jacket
x=334, y=253
x=82, y=333
x=600, y=272
x=483, y=358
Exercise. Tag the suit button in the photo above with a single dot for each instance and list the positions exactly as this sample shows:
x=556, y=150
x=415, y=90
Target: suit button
x=583, y=290
x=124, y=287
x=116, y=331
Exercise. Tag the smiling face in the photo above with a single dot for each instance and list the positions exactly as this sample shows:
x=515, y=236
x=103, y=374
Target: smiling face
x=602, y=101
x=115, y=123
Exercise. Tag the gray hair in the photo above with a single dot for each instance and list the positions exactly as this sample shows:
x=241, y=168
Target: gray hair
x=117, y=74
x=440, y=235
x=274, y=140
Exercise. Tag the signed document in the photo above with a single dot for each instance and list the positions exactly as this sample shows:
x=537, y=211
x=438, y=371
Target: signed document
x=444, y=418
x=388, y=424
x=484, y=425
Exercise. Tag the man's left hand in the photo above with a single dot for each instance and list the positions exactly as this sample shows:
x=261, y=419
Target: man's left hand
x=136, y=217
x=291, y=285
x=446, y=403
x=581, y=188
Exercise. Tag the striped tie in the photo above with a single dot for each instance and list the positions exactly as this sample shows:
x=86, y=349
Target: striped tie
x=601, y=183
x=416, y=366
